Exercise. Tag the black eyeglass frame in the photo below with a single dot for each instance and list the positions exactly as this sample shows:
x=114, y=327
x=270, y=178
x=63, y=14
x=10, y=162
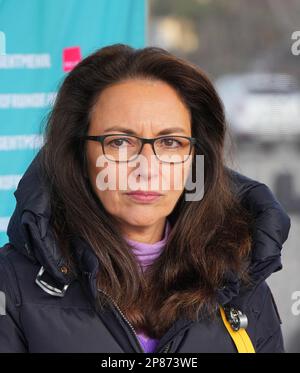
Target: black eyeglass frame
x=101, y=138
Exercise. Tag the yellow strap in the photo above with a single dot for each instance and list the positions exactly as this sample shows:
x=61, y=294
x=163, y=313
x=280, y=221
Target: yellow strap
x=240, y=337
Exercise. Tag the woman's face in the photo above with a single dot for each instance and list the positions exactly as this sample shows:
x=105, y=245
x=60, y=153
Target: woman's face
x=147, y=109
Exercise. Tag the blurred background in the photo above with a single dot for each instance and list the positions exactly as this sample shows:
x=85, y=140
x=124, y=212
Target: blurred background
x=250, y=50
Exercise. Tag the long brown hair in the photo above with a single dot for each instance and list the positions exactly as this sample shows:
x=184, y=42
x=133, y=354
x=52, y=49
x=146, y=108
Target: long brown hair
x=208, y=237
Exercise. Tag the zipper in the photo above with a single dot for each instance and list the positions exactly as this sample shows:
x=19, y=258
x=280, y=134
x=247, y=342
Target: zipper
x=165, y=350
x=126, y=320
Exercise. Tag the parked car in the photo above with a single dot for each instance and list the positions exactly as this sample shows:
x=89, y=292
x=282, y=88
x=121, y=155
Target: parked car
x=264, y=107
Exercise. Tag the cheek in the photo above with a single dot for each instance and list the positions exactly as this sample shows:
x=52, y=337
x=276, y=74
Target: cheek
x=111, y=201
x=108, y=183
x=175, y=176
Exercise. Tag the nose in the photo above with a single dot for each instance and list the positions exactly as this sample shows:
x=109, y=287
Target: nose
x=147, y=151
x=148, y=169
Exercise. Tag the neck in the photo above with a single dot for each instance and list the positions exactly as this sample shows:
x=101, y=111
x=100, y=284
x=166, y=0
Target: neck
x=149, y=234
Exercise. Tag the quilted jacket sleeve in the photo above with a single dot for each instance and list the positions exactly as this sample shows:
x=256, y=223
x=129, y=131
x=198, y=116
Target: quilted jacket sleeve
x=11, y=335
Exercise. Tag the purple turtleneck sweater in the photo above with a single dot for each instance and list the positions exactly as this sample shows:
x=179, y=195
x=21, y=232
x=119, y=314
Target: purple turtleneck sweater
x=146, y=253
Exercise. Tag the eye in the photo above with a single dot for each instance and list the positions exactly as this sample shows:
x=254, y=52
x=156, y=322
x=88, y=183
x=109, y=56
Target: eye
x=119, y=142
x=170, y=142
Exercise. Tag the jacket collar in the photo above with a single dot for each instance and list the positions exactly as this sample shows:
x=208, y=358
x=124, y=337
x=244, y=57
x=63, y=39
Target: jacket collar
x=29, y=231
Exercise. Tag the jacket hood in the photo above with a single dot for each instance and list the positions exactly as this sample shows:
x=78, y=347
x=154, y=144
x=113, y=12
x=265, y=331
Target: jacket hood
x=30, y=233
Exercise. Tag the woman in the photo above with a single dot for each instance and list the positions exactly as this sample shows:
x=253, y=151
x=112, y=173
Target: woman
x=93, y=267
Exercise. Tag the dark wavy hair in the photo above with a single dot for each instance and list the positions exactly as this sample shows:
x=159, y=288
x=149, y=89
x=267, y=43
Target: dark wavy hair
x=208, y=238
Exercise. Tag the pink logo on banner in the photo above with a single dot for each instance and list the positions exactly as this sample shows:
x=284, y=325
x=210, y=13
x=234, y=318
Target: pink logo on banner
x=71, y=57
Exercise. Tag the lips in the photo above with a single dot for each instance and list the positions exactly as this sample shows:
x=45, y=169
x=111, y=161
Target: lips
x=142, y=193
x=143, y=196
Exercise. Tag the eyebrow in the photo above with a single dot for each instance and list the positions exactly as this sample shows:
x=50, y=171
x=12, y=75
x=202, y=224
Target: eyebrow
x=165, y=131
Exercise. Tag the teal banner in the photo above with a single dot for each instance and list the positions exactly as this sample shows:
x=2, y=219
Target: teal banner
x=40, y=41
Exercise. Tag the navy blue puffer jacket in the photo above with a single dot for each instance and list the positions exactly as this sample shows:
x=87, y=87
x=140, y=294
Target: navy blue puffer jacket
x=49, y=310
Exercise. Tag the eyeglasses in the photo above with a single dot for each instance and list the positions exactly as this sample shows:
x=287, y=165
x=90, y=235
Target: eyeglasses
x=125, y=148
